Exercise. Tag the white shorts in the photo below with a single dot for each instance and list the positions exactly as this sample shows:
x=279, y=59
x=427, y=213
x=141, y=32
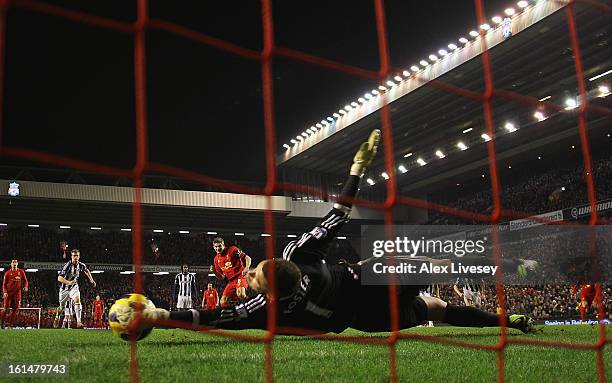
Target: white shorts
x=183, y=302
x=71, y=293
x=472, y=296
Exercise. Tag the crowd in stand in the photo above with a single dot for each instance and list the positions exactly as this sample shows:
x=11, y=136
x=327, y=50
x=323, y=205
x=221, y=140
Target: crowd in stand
x=552, y=190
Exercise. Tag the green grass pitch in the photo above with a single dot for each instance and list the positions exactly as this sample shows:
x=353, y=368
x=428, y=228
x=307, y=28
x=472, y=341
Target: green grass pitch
x=184, y=356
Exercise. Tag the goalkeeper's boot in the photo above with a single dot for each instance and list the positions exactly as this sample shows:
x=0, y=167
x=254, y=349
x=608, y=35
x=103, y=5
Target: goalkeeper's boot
x=522, y=322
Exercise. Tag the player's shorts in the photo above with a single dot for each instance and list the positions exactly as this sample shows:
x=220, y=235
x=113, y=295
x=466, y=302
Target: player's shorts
x=230, y=288
x=13, y=301
x=71, y=293
x=183, y=302
x=372, y=314
x=208, y=308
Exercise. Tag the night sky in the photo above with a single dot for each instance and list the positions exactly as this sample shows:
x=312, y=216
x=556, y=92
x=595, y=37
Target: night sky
x=69, y=86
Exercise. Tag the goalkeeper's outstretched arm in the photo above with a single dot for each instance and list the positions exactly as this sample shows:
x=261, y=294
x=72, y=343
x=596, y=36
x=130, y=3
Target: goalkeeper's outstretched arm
x=312, y=245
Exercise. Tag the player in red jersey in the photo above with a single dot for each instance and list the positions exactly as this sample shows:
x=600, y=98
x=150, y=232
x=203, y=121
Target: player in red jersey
x=210, y=300
x=588, y=298
x=229, y=263
x=11, y=289
x=98, y=311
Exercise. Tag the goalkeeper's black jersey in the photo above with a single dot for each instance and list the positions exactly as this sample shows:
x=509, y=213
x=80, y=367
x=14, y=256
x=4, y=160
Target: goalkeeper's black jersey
x=327, y=295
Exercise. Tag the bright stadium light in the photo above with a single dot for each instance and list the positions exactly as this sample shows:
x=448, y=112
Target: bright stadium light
x=64, y=227
x=97, y=271
x=390, y=83
x=570, y=103
x=342, y=112
x=423, y=62
x=496, y=19
x=127, y=272
x=361, y=100
x=304, y=134
x=310, y=131
x=3, y=224
x=291, y=236
x=265, y=235
x=461, y=145
x=603, y=90
x=293, y=141
x=545, y=98
x=300, y=138
x=433, y=57
x=341, y=237
x=384, y=175
x=522, y=4
x=158, y=231
x=382, y=87
x=348, y=108
x=354, y=104
x=95, y=228
x=405, y=74
x=439, y=154
x=211, y=232
x=161, y=273
x=336, y=115
x=402, y=169
x=126, y=229
x=408, y=155
x=398, y=78
x=442, y=52
x=539, y=157
x=286, y=146
x=330, y=119
x=467, y=130
x=31, y=270
x=415, y=68
x=485, y=137
x=368, y=96
x=539, y=116
x=600, y=75
x=510, y=128
x=183, y=231
x=485, y=27
x=421, y=161
x=33, y=225
x=452, y=47
x=375, y=92
x=474, y=33
x=509, y=11
x=463, y=40
x=370, y=181
x=323, y=122
x=562, y=188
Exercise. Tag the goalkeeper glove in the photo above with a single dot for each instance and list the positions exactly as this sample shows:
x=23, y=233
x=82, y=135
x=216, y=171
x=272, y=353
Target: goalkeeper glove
x=364, y=156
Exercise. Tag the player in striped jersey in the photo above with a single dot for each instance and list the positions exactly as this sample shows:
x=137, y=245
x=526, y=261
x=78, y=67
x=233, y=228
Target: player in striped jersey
x=470, y=292
x=69, y=290
x=68, y=313
x=184, y=285
x=319, y=297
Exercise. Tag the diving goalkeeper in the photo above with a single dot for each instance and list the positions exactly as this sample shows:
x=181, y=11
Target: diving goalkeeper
x=314, y=295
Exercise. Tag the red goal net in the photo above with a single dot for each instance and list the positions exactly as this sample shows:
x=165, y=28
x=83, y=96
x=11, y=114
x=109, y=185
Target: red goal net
x=266, y=57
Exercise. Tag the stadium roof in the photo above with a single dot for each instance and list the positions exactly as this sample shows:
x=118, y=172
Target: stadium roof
x=537, y=62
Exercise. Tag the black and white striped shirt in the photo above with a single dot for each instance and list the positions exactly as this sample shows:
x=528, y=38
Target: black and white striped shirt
x=71, y=272
x=184, y=284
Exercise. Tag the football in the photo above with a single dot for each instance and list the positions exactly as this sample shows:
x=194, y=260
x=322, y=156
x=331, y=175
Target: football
x=121, y=313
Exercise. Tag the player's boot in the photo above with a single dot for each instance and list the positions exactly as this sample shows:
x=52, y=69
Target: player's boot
x=79, y=325
x=522, y=322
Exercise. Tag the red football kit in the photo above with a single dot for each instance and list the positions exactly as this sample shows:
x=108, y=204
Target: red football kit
x=11, y=285
x=210, y=299
x=229, y=263
x=98, y=309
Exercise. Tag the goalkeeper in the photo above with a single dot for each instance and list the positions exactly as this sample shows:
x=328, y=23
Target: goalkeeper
x=314, y=295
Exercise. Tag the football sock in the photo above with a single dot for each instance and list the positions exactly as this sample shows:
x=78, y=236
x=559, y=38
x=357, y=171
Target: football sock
x=469, y=317
x=77, y=311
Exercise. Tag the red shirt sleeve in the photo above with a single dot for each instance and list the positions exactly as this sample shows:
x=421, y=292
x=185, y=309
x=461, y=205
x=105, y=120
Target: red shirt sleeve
x=4, y=282
x=25, y=279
